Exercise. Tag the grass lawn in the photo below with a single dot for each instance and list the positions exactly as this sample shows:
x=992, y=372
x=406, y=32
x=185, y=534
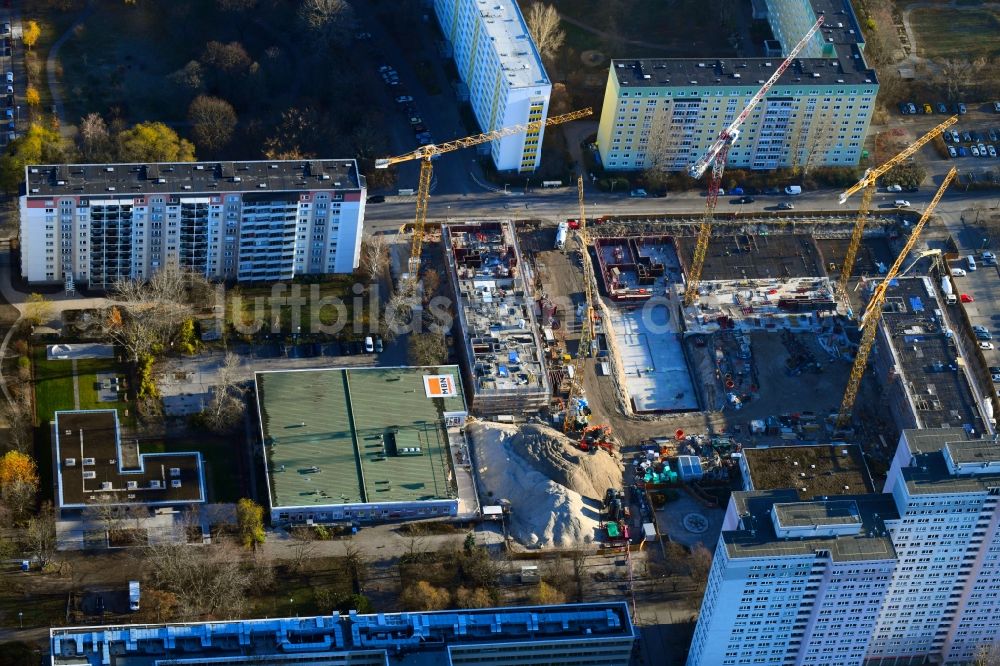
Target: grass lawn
x=221, y=471
x=253, y=302
x=54, y=385
x=296, y=592
x=965, y=35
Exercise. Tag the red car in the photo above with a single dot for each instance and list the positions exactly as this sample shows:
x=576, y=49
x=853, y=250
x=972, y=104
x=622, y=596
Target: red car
x=573, y=224
x=965, y=298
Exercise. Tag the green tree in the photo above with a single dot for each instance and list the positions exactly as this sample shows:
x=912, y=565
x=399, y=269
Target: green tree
x=38, y=309
x=39, y=145
x=153, y=142
x=250, y=523
x=212, y=122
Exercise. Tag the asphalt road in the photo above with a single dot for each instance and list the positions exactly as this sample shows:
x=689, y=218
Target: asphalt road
x=554, y=205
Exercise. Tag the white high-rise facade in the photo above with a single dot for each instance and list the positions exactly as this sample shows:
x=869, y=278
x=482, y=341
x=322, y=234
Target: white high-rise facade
x=244, y=221
x=794, y=582
x=497, y=59
x=904, y=576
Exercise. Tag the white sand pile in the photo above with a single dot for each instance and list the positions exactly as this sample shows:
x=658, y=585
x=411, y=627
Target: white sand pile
x=555, y=490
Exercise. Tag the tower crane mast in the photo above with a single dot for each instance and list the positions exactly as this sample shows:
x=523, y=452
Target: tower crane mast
x=867, y=183
x=716, y=156
x=873, y=312
x=428, y=153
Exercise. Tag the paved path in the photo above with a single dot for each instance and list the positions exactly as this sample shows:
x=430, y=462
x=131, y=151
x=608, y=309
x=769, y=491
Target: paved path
x=76, y=386
x=52, y=66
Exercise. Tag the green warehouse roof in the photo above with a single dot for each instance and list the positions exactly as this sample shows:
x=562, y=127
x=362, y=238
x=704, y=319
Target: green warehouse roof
x=350, y=436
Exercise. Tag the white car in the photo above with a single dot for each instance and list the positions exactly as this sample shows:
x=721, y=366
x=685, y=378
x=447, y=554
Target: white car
x=952, y=152
x=403, y=99
x=986, y=345
x=901, y=203
x=955, y=137
x=369, y=345
x=992, y=151
x=10, y=77
x=958, y=272
x=894, y=188
x=982, y=150
x=974, y=151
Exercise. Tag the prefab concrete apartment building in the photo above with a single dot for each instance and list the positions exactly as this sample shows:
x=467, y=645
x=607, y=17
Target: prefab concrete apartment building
x=497, y=59
x=810, y=576
x=665, y=112
x=243, y=221
x=595, y=634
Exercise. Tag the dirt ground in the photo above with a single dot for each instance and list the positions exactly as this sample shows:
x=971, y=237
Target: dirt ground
x=560, y=278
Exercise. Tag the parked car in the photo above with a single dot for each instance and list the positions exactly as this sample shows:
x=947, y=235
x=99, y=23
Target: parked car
x=378, y=344
x=941, y=108
x=10, y=77
x=928, y=108
x=989, y=259
x=639, y=193
x=573, y=223
x=993, y=134
x=793, y=190
x=976, y=136
x=894, y=188
x=954, y=136
x=911, y=108
x=962, y=151
x=982, y=150
x=785, y=205
x=965, y=298
x=745, y=200
x=369, y=344
x=903, y=108
x=404, y=99
x=952, y=152
x=974, y=151
x=901, y=203
x=959, y=108
x=375, y=198
x=986, y=345
x=995, y=373
x=996, y=107
x=992, y=151
x=958, y=272
x=966, y=136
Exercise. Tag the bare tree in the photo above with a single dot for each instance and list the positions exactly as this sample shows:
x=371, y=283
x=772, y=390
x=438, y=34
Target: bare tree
x=95, y=140
x=145, y=314
x=227, y=407
x=40, y=535
x=543, y=24
x=954, y=76
x=18, y=416
x=374, y=256
x=213, y=121
x=328, y=21
x=355, y=564
x=206, y=581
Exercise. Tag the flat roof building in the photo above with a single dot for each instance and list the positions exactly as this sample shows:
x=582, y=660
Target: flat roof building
x=248, y=221
x=503, y=361
x=666, y=112
x=905, y=576
x=94, y=464
x=362, y=444
x=497, y=60
x=598, y=634
x=917, y=361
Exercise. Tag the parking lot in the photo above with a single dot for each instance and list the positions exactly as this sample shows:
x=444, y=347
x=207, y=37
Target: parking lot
x=979, y=291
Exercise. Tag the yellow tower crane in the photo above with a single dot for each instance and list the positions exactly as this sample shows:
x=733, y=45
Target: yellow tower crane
x=873, y=313
x=427, y=153
x=868, y=183
x=587, y=323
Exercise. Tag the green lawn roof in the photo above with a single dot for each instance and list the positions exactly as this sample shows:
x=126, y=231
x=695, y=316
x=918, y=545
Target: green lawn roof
x=349, y=436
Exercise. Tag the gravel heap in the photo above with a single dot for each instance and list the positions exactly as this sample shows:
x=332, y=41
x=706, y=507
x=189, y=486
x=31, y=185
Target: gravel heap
x=555, y=490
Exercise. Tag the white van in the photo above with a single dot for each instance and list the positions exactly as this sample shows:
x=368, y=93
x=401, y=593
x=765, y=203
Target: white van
x=972, y=263
x=793, y=190
x=901, y=203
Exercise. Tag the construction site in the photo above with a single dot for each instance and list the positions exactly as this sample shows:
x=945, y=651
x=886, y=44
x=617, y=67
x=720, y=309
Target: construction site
x=503, y=363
